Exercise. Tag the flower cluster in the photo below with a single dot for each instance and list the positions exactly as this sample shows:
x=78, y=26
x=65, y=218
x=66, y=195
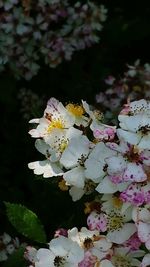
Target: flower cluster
x=134, y=85
x=51, y=30
x=114, y=162
x=8, y=245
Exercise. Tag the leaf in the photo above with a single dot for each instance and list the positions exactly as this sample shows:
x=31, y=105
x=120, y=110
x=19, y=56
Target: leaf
x=16, y=259
x=26, y=222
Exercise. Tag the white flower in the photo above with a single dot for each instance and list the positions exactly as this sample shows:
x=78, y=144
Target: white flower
x=56, y=117
x=98, y=245
x=135, y=124
x=59, y=141
x=62, y=252
x=96, y=162
x=76, y=152
x=117, y=220
x=122, y=256
x=73, y=158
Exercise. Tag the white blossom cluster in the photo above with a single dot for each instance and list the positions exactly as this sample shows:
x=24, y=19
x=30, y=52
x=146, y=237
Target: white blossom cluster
x=47, y=30
x=135, y=84
x=113, y=162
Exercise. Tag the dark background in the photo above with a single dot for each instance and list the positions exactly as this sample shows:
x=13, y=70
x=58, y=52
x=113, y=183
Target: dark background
x=125, y=38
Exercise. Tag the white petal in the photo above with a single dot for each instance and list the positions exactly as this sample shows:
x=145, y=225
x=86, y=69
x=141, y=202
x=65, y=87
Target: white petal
x=34, y=121
x=95, y=173
x=131, y=138
x=76, y=193
x=146, y=260
x=75, y=177
x=45, y=258
x=106, y=186
x=143, y=231
x=106, y=263
x=41, y=146
x=134, y=172
x=145, y=142
x=116, y=164
x=78, y=147
x=121, y=235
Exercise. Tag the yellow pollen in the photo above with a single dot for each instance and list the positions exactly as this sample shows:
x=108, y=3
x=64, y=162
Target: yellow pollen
x=117, y=203
x=63, y=145
x=55, y=124
x=62, y=185
x=76, y=110
x=115, y=222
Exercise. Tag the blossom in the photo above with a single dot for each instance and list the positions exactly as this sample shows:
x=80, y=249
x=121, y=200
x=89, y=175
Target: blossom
x=97, y=158
x=124, y=257
x=135, y=124
x=73, y=158
x=98, y=245
x=114, y=220
x=61, y=251
x=56, y=117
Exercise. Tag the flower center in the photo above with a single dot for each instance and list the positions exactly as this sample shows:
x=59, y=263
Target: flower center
x=55, y=124
x=121, y=261
x=88, y=243
x=76, y=110
x=59, y=261
x=115, y=222
x=82, y=159
x=63, y=144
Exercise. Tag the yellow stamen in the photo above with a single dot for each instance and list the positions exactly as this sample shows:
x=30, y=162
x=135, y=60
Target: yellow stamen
x=55, y=124
x=76, y=110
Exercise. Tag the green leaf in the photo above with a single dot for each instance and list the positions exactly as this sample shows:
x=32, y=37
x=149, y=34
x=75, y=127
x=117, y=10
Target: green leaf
x=16, y=259
x=26, y=222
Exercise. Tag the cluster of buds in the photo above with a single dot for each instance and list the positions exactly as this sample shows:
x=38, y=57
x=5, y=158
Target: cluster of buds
x=134, y=85
x=45, y=30
x=114, y=162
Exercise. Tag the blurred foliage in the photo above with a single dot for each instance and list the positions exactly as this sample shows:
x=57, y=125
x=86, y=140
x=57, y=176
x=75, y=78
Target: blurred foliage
x=125, y=38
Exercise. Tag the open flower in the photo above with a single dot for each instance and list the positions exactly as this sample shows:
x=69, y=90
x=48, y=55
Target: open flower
x=124, y=257
x=73, y=158
x=62, y=252
x=56, y=117
x=135, y=124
